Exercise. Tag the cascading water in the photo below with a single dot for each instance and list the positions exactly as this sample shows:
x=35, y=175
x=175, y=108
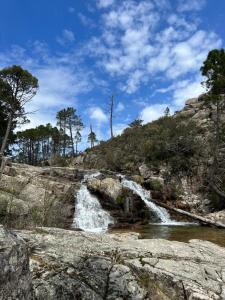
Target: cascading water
x=89, y=215
x=160, y=212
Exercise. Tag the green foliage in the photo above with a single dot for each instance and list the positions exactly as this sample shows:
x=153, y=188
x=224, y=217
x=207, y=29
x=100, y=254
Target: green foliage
x=156, y=185
x=214, y=70
x=136, y=123
x=92, y=137
x=17, y=87
x=168, y=141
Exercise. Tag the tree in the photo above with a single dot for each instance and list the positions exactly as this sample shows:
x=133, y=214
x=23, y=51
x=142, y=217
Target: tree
x=68, y=120
x=77, y=139
x=136, y=123
x=167, y=112
x=213, y=69
x=17, y=87
x=92, y=137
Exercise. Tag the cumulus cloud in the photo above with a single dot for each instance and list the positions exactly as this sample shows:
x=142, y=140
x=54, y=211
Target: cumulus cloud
x=120, y=107
x=152, y=112
x=119, y=128
x=104, y=3
x=139, y=42
x=60, y=84
x=190, y=5
x=97, y=114
x=66, y=37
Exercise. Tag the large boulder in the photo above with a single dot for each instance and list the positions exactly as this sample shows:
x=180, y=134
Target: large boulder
x=80, y=265
x=15, y=276
x=108, y=187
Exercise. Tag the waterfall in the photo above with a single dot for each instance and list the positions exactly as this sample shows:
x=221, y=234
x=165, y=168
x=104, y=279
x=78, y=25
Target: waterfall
x=145, y=195
x=89, y=215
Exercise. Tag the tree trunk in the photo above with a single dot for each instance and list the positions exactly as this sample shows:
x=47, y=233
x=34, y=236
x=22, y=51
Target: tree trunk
x=198, y=218
x=111, y=116
x=71, y=140
x=4, y=144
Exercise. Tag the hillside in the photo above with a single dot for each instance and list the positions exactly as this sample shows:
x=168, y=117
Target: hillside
x=175, y=151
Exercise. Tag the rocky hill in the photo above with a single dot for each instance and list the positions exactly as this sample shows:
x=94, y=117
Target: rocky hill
x=171, y=156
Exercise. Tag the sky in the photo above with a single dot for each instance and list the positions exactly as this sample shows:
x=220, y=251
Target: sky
x=146, y=52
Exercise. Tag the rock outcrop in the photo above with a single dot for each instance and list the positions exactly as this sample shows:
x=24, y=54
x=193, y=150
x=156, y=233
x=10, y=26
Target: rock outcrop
x=80, y=265
x=125, y=206
x=15, y=276
x=33, y=195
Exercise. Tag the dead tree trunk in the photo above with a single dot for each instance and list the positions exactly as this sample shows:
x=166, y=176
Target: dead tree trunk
x=200, y=219
x=111, y=115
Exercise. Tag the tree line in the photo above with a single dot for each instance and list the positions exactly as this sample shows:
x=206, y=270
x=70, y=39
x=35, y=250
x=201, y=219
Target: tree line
x=18, y=87
x=34, y=145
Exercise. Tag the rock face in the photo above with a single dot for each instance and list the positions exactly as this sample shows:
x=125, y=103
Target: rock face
x=15, y=276
x=79, y=265
x=218, y=216
x=125, y=207
x=32, y=195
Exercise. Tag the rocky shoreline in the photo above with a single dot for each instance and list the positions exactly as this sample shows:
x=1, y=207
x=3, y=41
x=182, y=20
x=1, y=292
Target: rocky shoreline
x=79, y=265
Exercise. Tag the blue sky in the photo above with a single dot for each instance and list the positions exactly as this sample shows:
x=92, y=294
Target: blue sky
x=147, y=52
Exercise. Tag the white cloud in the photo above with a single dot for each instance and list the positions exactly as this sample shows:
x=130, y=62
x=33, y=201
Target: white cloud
x=120, y=107
x=105, y=3
x=97, y=114
x=152, y=112
x=60, y=83
x=139, y=42
x=190, y=5
x=183, y=90
x=66, y=37
x=119, y=128
x=189, y=89
x=71, y=10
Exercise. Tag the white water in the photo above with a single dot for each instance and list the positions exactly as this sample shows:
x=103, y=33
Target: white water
x=89, y=215
x=160, y=212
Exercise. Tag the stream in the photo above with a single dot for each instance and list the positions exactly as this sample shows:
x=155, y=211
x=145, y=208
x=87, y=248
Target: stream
x=90, y=216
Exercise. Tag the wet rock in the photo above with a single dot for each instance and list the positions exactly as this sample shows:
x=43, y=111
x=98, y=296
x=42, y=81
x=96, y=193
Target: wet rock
x=15, y=276
x=80, y=265
x=122, y=204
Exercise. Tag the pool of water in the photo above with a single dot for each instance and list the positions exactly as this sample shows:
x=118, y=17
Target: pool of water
x=180, y=233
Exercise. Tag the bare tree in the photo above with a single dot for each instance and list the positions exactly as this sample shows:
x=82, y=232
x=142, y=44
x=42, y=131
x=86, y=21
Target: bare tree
x=111, y=114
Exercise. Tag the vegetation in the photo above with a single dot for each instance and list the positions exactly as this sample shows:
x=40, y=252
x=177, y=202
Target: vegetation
x=214, y=71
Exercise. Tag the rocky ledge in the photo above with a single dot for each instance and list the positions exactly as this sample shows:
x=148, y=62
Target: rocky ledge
x=32, y=196
x=79, y=265
x=15, y=276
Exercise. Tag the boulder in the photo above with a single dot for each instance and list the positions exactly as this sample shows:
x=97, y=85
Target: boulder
x=81, y=265
x=218, y=216
x=15, y=276
x=108, y=187
x=144, y=171
x=122, y=204
x=191, y=101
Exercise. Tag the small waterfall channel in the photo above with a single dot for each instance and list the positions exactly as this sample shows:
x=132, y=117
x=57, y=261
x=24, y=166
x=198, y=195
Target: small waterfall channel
x=89, y=214
x=145, y=195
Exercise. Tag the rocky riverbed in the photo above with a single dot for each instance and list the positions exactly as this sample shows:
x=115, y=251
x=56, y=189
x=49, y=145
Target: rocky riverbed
x=78, y=265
